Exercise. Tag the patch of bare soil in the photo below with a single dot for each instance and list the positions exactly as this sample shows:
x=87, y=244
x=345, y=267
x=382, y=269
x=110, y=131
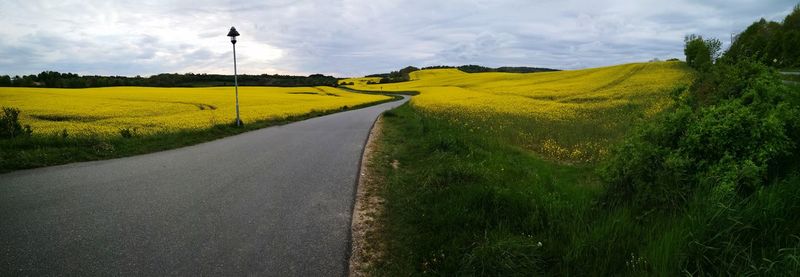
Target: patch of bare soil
x=367, y=244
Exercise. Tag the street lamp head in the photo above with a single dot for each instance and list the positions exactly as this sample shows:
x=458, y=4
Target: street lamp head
x=233, y=34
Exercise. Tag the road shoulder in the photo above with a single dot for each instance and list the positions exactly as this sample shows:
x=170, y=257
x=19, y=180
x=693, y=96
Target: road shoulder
x=367, y=246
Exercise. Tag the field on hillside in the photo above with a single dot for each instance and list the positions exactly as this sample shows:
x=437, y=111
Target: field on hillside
x=147, y=110
x=566, y=115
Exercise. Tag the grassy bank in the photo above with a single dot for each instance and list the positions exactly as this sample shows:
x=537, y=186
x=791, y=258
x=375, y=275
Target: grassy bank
x=460, y=202
x=40, y=150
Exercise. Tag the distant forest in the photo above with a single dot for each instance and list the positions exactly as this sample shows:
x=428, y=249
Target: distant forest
x=53, y=79
x=402, y=74
x=471, y=68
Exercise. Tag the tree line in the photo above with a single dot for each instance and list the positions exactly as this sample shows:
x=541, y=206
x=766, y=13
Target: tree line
x=401, y=75
x=775, y=44
x=771, y=43
x=471, y=68
x=54, y=79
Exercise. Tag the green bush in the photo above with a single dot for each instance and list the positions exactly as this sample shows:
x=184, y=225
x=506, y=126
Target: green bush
x=10, y=126
x=735, y=134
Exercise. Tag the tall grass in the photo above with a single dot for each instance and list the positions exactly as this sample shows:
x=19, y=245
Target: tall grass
x=462, y=202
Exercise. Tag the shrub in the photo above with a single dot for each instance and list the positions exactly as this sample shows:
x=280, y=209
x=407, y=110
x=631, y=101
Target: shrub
x=739, y=137
x=10, y=126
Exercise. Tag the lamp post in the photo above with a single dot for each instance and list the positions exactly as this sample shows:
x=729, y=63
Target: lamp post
x=233, y=34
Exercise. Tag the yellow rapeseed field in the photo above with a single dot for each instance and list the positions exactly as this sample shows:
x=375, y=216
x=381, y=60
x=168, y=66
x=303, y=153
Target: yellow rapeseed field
x=568, y=115
x=106, y=111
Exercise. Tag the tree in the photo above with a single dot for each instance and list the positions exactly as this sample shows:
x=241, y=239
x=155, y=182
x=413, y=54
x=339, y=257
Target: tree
x=701, y=53
x=769, y=42
x=790, y=52
x=398, y=76
x=5, y=81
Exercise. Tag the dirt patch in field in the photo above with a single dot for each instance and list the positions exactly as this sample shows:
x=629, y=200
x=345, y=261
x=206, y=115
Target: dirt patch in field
x=367, y=244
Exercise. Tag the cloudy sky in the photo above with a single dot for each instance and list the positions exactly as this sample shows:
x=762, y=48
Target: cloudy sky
x=355, y=37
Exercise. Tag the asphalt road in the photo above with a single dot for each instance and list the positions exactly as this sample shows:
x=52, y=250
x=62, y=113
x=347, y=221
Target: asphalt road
x=272, y=202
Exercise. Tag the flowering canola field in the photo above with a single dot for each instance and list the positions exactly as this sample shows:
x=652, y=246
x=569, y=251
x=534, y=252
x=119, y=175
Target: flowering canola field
x=106, y=111
x=567, y=115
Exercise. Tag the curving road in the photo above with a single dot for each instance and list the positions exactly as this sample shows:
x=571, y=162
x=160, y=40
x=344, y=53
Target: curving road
x=275, y=202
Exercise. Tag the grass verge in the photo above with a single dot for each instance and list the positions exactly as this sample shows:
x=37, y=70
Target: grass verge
x=367, y=236
x=460, y=202
x=46, y=150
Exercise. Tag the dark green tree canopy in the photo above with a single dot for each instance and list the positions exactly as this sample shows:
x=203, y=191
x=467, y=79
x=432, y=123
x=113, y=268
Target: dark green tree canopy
x=701, y=53
x=772, y=43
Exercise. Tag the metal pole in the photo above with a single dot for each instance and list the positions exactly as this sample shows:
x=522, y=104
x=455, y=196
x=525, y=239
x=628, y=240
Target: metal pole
x=236, y=84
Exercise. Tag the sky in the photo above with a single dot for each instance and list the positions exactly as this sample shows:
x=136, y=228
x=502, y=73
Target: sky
x=355, y=37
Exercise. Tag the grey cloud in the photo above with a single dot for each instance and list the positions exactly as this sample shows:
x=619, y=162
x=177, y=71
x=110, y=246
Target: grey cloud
x=356, y=37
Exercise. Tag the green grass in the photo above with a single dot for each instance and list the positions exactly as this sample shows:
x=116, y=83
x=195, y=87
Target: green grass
x=41, y=150
x=462, y=202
